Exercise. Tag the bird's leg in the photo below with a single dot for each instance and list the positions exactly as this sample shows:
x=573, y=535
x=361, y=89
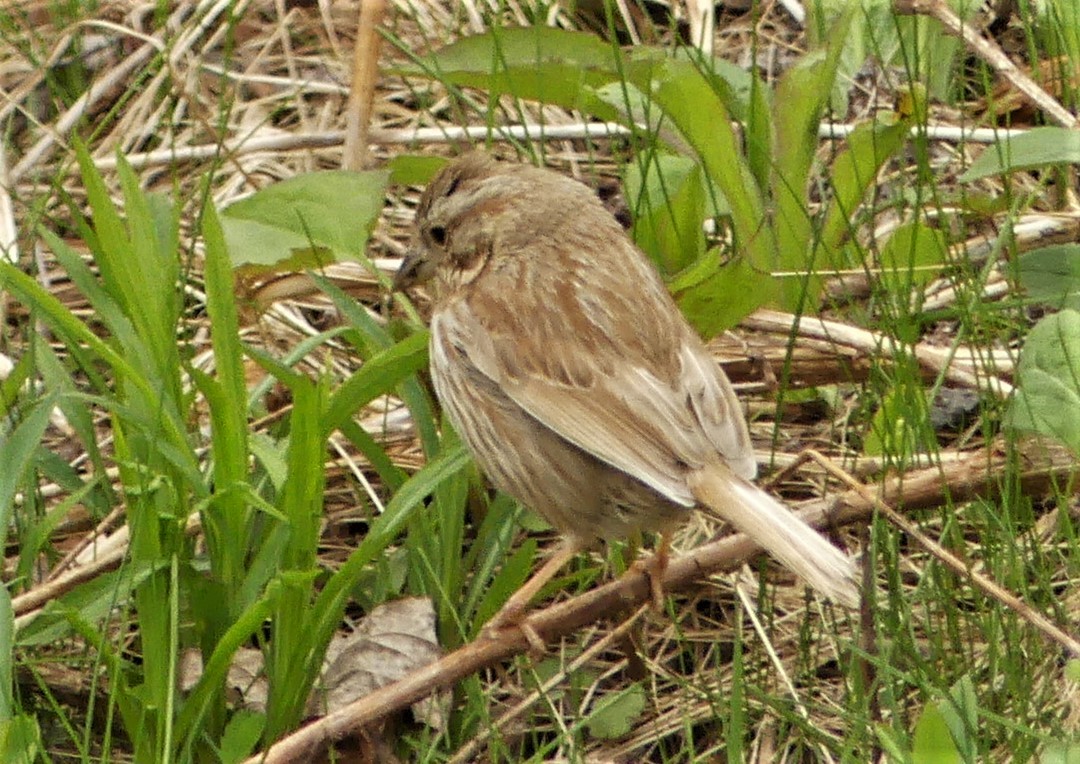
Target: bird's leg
x=513, y=612
x=654, y=568
x=657, y=566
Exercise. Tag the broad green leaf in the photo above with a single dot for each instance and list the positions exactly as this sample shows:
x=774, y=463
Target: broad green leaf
x=20, y=740
x=930, y=53
x=226, y=396
x=1063, y=16
x=616, y=714
x=536, y=63
x=1036, y=148
x=697, y=111
x=1047, y=397
x=960, y=712
x=1072, y=670
x=301, y=499
x=730, y=83
x=912, y=257
x=853, y=173
x=898, y=428
x=255, y=247
x=632, y=107
x=715, y=296
x=139, y=266
x=668, y=204
x=760, y=131
x=523, y=47
x=270, y=454
x=1051, y=275
x=241, y=736
x=800, y=100
x=17, y=449
x=152, y=259
x=917, y=44
x=414, y=169
x=1059, y=752
x=108, y=239
x=857, y=45
x=333, y=210
x=932, y=742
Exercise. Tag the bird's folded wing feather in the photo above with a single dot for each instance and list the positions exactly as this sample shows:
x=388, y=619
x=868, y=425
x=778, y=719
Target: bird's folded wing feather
x=649, y=401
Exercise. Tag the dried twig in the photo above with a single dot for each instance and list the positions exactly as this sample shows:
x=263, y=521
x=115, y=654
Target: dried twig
x=991, y=54
x=365, y=74
x=455, y=134
x=118, y=77
x=468, y=751
x=989, y=587
x=974, y=477
x=962, y=366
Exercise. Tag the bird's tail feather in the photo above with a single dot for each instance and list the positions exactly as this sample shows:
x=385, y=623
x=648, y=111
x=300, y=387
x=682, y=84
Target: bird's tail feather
x=779, y=531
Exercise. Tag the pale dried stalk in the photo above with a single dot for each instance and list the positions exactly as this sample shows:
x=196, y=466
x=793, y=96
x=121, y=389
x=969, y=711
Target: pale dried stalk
x=9, y=231
x=963, y=481
x=989, y=587
x=468, y=751
x=33, y=79
x=362, y=92
x=991, y=54
x=827, y=352
x=28, y=606
x=97, y=90
x=115, y=78
x=456, y=134
x=966, y=367
x=701, y=14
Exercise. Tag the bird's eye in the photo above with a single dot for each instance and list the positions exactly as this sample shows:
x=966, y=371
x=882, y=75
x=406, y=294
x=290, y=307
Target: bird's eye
x=438, y=234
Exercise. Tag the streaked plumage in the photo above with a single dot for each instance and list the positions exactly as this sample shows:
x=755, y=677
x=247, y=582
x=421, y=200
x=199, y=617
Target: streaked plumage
x=572, y=376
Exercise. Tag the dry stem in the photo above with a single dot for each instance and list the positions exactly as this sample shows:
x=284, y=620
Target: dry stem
x=960, y=481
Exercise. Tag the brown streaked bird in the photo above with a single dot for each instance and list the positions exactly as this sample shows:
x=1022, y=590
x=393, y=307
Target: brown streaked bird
x=574, y=380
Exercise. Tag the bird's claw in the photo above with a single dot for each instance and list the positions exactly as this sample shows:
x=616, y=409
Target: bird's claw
x=514, y=618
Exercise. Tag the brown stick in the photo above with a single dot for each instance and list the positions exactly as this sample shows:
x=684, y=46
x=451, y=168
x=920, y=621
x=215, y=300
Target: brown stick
x=991, y=54
x=960, y=481
x=362, y=91
x=937, y=360
x=989, y=587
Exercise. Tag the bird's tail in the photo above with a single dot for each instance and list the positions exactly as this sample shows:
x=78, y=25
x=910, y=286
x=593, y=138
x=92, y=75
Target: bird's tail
x=776, y=528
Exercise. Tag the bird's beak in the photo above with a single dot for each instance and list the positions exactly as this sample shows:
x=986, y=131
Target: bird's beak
x=410, y=272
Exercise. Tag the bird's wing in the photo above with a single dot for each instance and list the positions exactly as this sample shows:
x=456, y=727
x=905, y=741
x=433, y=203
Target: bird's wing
x=616, y=371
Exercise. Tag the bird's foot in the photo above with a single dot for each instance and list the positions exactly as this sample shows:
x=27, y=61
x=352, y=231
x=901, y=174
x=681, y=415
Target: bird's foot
x=513, y=616
x=653, y=570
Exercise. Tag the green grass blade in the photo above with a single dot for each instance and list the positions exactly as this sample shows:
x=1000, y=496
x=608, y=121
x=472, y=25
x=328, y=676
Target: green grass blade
x=227, y=399
x=17, y=450
x=376, y=377
x=386, y=528
x=378, y=338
